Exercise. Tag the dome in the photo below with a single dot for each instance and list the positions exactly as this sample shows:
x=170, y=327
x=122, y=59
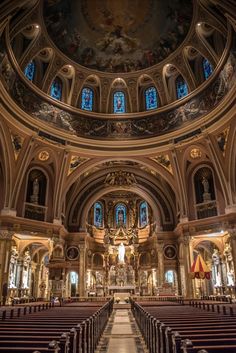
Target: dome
x=92, y=157
x=117, y=36
x=173, y=91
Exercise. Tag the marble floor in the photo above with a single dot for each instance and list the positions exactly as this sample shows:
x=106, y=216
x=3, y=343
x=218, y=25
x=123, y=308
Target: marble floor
x=121, y=334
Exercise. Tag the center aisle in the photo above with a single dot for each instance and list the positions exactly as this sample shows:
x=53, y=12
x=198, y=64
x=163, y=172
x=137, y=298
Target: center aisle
x=121, y=334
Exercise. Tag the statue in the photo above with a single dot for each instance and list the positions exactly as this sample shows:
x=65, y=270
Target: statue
x=206, y=195
x=36, y=187
x=205, y=184
x=230, y=278
x=216, y=257
x=35, y=196
x=218, y=282
x=121, y=253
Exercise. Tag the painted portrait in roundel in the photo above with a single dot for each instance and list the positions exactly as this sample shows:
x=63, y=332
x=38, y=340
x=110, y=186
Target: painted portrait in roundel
x=72, y=253
x=170, y=252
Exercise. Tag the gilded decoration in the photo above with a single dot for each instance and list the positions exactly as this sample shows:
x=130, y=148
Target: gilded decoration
x=195, y=153
x=120, y=178
x=164, y=160
x=43, y=156
x=17, y=142
x=222, y=139
x=75, y=161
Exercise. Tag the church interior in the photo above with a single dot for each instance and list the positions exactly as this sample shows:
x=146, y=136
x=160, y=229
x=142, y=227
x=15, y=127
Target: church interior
x=118, y=170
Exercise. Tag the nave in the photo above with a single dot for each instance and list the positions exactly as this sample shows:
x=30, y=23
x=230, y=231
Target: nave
x=143, y=325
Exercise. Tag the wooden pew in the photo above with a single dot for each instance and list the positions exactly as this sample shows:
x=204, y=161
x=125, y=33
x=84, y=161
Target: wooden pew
x=82, y=327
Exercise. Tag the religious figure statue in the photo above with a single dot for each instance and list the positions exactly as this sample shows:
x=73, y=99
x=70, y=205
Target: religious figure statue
x=35, y=196
x=205, y=184
x=206, y=194
x=216, y=257
x=121, y=253
x=230, y=278
x=218, y=282
x=36, y=187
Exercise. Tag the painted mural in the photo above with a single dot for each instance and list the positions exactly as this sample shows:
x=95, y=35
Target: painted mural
x=127, y=128
x=117, y=36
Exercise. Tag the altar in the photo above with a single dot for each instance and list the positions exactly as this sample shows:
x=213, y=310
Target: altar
x=121, y=289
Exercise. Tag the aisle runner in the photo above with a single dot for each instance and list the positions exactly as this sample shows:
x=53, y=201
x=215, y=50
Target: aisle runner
x=121, y=334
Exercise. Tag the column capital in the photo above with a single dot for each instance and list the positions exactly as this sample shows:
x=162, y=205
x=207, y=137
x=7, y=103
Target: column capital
x=6, y=235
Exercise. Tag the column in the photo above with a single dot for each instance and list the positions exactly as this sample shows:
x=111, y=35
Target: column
x=160, y=257
x=185, y=283
x=82, y=270
x=5, y=253
x=232, y=233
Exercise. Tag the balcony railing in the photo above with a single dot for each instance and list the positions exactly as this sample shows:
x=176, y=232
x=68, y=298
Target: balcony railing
x=206, y=209
x=36, y=212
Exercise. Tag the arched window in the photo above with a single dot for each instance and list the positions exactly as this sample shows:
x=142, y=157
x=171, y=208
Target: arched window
x=98, y=214
x=143, y=214
x=151, y=99
x=87, y=99
x=30, y=71
x=119, y=102
x=120, y=212
x=56, y=89
x=207, y=68
x=181, y=87
x=169, y=276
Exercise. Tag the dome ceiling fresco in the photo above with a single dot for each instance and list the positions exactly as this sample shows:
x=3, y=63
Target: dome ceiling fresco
x=117, y=36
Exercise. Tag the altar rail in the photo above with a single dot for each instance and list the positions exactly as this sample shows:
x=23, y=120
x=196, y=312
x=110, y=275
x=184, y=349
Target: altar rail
x=178, y=299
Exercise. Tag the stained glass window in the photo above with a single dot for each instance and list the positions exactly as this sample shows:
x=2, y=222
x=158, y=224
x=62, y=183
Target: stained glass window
x=98, y=215
x=30, y=71
x=181, y=87
x=151, y=98
x=207, y=68
x=119, y=102
x=120, y=212
x=56, y=89
x=143, y=214
x=87, y=99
